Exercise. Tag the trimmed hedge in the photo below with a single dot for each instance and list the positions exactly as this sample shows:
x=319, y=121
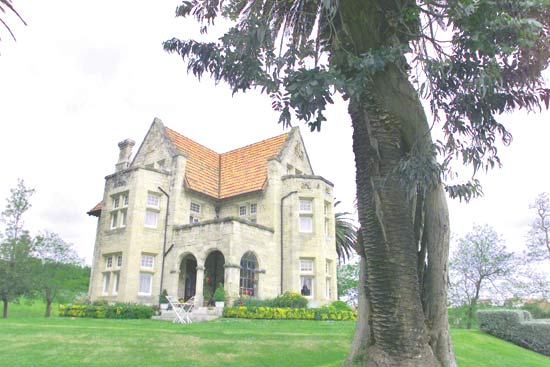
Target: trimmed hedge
x=103, y=311
x=287, y=313
x=517, y=327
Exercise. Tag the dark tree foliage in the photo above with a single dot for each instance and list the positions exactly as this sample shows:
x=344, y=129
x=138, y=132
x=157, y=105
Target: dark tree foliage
x=472, y=60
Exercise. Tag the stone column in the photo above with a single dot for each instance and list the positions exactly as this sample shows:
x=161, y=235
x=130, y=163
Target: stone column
x=199, y=295
x=232, y=278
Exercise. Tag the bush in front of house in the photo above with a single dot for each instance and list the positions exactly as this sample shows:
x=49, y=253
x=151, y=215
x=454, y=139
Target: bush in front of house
x=518, y=327
x=288, y=313
x=285, y=300
x=106, y=311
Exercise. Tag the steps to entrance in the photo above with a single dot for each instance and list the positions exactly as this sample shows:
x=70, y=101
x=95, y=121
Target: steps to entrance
x=199, y=314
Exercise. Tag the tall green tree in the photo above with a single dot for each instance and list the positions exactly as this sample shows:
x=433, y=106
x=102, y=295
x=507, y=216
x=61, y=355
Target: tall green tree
x=57, y=272
x=15, y=246
x=479, y=261
x=472, y=60
x=346, y=235
x=348, y=282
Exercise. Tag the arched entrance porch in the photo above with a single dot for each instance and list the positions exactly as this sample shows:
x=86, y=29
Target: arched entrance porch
x=214, y=275
x=187, y=285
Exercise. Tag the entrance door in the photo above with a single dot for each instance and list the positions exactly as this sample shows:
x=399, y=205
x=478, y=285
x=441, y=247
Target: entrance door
x=188, y=269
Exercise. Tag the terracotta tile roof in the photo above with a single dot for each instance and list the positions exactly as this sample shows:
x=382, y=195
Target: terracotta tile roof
x=96, y=210
x=229, y=174
x=245, y=169
x=203, y=164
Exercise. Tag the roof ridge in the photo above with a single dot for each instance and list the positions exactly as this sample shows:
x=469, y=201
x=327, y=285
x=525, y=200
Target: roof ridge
x=194, y=141
x=258, y=142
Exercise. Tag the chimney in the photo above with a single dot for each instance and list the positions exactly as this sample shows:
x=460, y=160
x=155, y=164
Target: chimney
x=125, y=154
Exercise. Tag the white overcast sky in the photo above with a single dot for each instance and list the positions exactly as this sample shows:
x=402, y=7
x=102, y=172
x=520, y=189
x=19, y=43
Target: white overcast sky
x=83, y=76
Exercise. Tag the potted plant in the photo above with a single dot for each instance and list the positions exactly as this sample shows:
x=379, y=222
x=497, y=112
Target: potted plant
x=163, y=301
x=219, y=296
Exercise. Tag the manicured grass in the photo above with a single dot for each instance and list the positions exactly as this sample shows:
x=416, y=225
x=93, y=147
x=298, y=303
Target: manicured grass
x=27, y=339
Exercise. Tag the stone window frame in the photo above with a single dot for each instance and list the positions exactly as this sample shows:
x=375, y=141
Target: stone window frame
x=151, y=213
x=143, y=275
x=119, y=210
x=306, y=215
x=145, y=260
x=118, y=261
x=106, y=283
x=116, y=282
x=248, y=276
x=328, y=278
x=108, y=261
x=153, y=200
x=307, y=274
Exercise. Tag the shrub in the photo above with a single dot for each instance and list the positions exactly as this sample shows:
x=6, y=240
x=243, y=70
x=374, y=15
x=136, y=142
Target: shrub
x=288, y=313
x=253, y=302
x=162, y=297
x=219, y=294
x=517, y=327
x=340, y=306
x=539, y=310
x=291, y=300
x=102, y=311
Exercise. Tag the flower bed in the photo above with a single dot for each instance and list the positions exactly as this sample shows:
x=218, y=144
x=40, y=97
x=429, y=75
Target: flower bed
x=287, y=313
x=103, y=311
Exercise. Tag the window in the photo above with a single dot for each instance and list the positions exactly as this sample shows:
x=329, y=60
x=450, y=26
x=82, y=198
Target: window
x=145, y=284
x=106, y=281
x=327, y=268
x=151, y=218
x=153, y=200
x=306, y=286
x=306, y=215
x=123, y=218
x=306, y=265
x=193, y=219
x=289, y=169
x=108, y=262
x=306, y=224
x=327, y=227
x=147, y=261
x=118, y=215
x=195, y=208
x=114, y=217
x=242, y=210
x=119, y=261
x=248, y=284
x=253, y=208
x=306, y=206
x=327, y=286
x=115, y=283
x=298, y=172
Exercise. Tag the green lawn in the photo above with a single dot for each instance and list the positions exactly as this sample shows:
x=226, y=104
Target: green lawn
x=27, y=339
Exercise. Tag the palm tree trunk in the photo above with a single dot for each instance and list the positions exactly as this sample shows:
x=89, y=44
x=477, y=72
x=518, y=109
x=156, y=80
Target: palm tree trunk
x=406, y=252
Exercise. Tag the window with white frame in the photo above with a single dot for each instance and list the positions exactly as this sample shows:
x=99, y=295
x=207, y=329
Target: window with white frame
x=195, y=208
x=123, y=218
x=118, y=261
x=242, y=210
x=306, y=286
x=145, y=284
x=153, y=200
x=108, y=262
x=306, y=216
x=115, y=283
x=147, y=261
x=253, y=208
x=327, y=287
x=151, y=218
x=118, y=210
x=328, y=266
x=327, y=218
x=114, y=219
x=106, y=282
x=306, y=265
x=306, y=206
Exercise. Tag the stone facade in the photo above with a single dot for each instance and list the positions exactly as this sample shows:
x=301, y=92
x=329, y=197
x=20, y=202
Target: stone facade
x=255, y=220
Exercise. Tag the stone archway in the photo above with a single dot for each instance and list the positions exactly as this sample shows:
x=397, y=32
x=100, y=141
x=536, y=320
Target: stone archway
x=188, y=277
x=214, y=274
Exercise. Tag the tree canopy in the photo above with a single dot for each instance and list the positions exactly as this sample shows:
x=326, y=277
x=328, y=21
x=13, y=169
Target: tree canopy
x=473, y=61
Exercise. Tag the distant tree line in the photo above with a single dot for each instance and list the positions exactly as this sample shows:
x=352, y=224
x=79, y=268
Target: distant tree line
x=40, y=267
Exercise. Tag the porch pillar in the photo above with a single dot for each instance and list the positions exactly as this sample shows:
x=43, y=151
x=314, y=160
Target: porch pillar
x=199, y=296
x=232, y=278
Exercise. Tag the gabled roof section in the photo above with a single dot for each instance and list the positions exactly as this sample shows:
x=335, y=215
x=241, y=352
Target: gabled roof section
x=202, y=171
x=245, y=169
x=236, y=172
x=96, y=210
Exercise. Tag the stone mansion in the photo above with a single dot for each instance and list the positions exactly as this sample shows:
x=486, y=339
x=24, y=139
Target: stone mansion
x=181, y=217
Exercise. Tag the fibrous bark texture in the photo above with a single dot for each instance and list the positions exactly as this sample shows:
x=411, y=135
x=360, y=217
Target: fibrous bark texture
x=405, y=231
